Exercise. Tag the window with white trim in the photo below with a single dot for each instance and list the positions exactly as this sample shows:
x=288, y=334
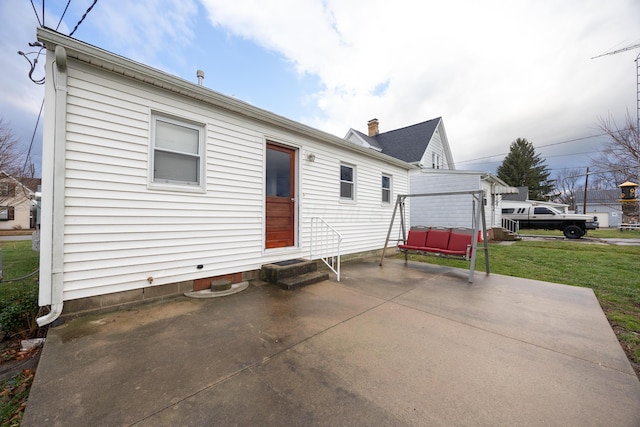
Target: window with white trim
x=435, y=161
x=347, y=182
x=177, y=152
x=386, y=188
x=7, y=213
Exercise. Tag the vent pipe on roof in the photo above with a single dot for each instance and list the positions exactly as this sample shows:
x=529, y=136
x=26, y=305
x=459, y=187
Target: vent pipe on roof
x=200, y=75
x=373, y=127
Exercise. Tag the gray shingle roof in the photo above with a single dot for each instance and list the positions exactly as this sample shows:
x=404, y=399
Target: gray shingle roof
x=372, y=141
x=523, y=194
x=599, y=196
x=408, y=143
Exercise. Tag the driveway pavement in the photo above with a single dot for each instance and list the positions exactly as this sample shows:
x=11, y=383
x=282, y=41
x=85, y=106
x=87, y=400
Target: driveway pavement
x=395, y=345
x=622, y=242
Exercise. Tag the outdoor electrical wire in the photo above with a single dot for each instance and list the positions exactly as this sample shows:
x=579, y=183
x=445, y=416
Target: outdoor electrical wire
x=20, y=278
x=83, y=16
x=63, y=13
x=541, y=146
x=33, y=136
x=36, y=12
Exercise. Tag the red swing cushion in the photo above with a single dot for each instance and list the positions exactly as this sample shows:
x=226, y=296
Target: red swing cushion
x=458, y=244
x=415, y=240
x=437, y=240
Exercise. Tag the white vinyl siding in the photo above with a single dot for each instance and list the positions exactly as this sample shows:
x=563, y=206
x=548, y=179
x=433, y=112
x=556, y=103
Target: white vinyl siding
x=428, y=211
x=434, y=156
x=363, y=223
x=119, y=230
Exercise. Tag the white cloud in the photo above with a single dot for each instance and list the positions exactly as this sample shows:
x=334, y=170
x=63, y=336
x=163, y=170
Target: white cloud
x=147, y=31
x=20, y=94
x=494, y=70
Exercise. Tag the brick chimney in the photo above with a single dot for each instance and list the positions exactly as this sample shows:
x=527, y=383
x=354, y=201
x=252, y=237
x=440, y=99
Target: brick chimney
x=373, y=127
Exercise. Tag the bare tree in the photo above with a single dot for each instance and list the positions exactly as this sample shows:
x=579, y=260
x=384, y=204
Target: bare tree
x=11, y=164
x=10, y=154
x=567, y=183
x=620, y=159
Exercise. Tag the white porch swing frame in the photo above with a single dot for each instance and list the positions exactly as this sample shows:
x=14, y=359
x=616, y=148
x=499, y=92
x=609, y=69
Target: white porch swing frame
x=478, y=222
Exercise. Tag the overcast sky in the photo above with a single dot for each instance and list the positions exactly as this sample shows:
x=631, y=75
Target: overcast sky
x=495, y=70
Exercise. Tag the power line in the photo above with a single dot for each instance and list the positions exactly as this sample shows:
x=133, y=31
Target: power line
x=83, y=16
x=596, y=172
x=33, y=136
x=36, y=12
x=63, y=13
x=541, y=146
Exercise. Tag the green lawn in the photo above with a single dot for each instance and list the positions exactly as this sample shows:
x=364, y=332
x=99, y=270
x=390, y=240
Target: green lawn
x=611, y=271
x=18, y=259
x=18, y=310
x=18, y=300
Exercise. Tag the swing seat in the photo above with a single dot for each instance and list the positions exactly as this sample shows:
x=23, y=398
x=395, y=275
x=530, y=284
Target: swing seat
x=443, y=242
x=439, y=242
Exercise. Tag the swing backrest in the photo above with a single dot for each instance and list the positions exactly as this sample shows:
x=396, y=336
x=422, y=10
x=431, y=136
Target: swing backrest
x=437, y=239
x=458, y=242
x=417, y=238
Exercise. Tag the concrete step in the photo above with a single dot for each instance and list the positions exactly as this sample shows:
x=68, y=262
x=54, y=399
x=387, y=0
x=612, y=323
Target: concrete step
x=291, y=283
x=276, y=272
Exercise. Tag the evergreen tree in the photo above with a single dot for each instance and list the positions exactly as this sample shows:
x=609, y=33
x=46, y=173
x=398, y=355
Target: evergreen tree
x=523, y=167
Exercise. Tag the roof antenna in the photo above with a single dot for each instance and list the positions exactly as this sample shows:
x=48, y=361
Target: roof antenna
x=200, y=75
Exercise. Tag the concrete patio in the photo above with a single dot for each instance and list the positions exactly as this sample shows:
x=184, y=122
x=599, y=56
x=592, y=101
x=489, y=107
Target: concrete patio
x=396, y=345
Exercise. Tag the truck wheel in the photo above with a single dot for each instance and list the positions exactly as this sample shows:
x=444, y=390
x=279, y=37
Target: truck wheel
x=573, y=232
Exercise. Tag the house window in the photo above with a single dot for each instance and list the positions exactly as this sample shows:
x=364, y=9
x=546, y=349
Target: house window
x=386, y=189
x=178, y=152
x=347, y=182
x=435, y=161
x=7, y=213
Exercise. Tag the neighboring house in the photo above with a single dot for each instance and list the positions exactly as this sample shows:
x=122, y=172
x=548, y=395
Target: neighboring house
x=16, y=197
x=603, y=204
x=426, y=146
x=455, y=211
x=154, y=185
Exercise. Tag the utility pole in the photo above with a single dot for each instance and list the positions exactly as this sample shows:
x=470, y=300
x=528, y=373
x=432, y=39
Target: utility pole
x=584, y=202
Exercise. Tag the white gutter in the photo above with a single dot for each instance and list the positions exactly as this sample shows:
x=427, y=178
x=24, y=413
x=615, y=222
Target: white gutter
x=59, y=76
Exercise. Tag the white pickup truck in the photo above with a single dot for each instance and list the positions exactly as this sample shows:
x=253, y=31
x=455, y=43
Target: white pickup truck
x=573, y=226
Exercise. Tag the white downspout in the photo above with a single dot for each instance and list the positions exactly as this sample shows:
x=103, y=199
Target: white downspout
x=59, y=76
x=494, y=202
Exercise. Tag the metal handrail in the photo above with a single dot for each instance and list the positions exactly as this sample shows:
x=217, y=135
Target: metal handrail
x=511, y=225
x=325, y=244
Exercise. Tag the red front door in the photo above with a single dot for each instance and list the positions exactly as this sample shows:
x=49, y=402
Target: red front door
x=280, y=196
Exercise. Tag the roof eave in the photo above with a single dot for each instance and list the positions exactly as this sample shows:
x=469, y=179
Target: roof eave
x=117, y=64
